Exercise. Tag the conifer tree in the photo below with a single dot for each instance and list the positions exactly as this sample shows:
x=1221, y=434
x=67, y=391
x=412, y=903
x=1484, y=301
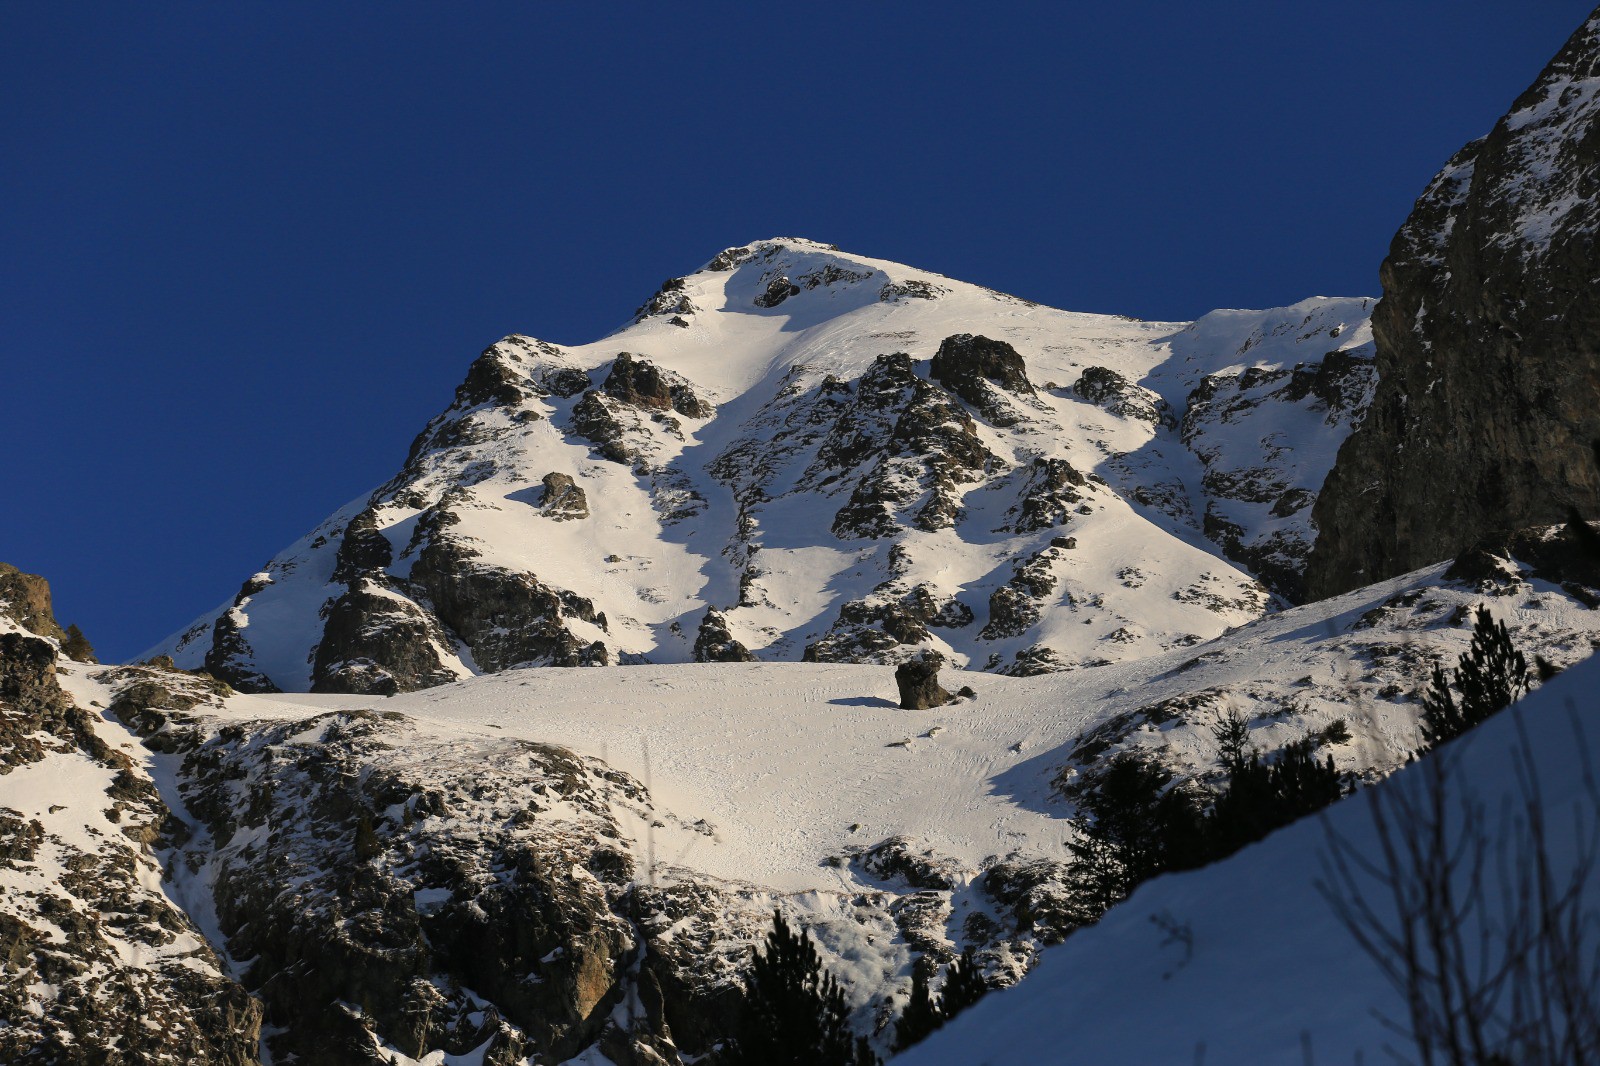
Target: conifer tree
x=1490, y=676
x=77, y=646
x=923, y=1013
x=797, y=1012
x=1130, y=827
x=963, y=986
x=1259, y=796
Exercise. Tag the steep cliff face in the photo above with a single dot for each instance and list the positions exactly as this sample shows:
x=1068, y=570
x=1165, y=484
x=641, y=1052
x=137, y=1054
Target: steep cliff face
x=1488, y=346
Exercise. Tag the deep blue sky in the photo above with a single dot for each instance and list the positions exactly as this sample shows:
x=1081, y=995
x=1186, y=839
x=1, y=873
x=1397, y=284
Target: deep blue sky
x=248, y=249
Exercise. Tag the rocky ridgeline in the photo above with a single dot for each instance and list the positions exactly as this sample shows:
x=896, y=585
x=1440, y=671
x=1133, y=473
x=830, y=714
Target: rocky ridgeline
x=683, y=492
x=1487, y=337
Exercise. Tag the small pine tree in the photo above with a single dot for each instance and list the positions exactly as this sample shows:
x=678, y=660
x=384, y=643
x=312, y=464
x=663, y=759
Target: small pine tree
x=963, y=986
x=1491, y=675
x=77, y=646
x=1441, y=716
x=923, y=1013
x=797, y=1013
x=1130, y=827
x=1260, y=796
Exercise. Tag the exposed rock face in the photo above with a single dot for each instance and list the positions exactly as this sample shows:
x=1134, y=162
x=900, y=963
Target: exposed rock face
x=918, y=681
x=1507, y=560
x=1488, y=341
x=1053, y=492
x=670, y=299
x=563, y=498
x=714, y=644
x=977, y=369
x=641, y=383
x=230, y=655
x=930, y=448
x=396, y=907
x=25, y=599
x=1106, y=388
x=778, y=290
x=911, y=289
x=100, y=965
x=376, y=642
x=507, y=618
x=888, y=625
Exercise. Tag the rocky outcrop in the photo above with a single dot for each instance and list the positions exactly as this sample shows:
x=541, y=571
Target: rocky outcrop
x=1508, y=559
x=1488, y=346
x=506, y=618
x=911, y=289
x=25, y=599
x=377, y=642
x=671, y=300
x=918, y=682
x=890, y=623
x=1015, y=606
x=714, y=644
x=478, y=904
x=230, y=655
x=982, y=372
x=929, y=449
x=635, y=395
x=1053, y=491
x=640, y=383
x=779, y=289
x=563, y=499
x=100, y=965
x=1106, y=388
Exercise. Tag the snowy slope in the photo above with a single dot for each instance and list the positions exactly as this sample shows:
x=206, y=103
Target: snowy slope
x=889, y=834
x=1262, y=969
x=572, y=861
x=782, y=759
x=1014, y=490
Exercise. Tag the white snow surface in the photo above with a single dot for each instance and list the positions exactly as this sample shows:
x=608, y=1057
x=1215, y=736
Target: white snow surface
x=1272, y=975
x=666, y=539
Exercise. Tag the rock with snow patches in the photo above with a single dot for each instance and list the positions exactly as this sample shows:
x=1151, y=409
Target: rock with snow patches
x=101, y=964
x=563, y=499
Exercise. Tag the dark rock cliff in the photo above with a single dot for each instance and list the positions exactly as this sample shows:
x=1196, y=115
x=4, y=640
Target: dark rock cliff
x=1488, y=346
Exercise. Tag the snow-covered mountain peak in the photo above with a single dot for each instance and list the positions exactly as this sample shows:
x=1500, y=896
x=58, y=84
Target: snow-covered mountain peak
x=797, y=452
